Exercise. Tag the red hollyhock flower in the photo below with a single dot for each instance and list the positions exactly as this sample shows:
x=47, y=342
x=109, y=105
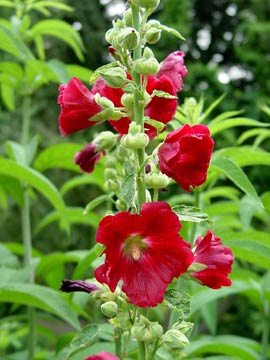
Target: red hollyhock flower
x=87, y=157
x=104, y=355
x=144, y=251
x=218, y=259
x=185, y=155
x=173, y=67
x=78, y=105
x=160, y=109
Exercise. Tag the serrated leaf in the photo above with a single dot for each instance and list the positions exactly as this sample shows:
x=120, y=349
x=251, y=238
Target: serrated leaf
x=191, y=213
x=128, y=188
x=179, y=301
x=37, y=181
x=236, y=174
x=83, y=340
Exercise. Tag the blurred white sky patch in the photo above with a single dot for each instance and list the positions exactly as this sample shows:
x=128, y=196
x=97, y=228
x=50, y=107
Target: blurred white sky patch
x=114, y=8
x=233, y=73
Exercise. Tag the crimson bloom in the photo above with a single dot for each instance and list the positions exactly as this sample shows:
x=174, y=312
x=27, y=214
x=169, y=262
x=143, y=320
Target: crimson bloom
x=173, y=67
x=143, y=250
x=218, y=259
x=78, y=105
x=104, y=355
x=185, y=155
x=87, y=157
x=159, y=108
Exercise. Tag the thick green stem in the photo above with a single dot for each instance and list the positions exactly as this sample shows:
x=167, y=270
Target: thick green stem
x=141, y=350
x=26, y=228
x=138, y=110
x=118, y=343
x=194, y=225
x=266, y=331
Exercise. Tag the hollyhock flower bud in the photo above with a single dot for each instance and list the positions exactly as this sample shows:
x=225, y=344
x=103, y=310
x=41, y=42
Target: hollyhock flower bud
x=156, y=181
x=109, y=309
x=147, y=64
x=87, y=157
x=114, y=77
x=78, y=285
x=152, y=35
x=143, y=250
x=111, y=185
x=173, y=67
x=185, y=155
x=105, y=140
x=184, y=326
x=210, y=252
x=174, y=339
x=146, y=331
x=135, y=142
x=78, y=107
x=128, y=38
x=149, y=4
x=104, y=355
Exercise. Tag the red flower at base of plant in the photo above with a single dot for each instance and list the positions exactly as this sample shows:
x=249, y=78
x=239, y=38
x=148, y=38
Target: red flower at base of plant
x=218, y=259
x=185, y=155
x=173, y=67
x=159, y=108
x=144, y=251
x=87, y=157
x=104, y=355
x=78, y=105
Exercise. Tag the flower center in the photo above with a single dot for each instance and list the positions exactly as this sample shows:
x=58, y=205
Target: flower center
x=134, y=246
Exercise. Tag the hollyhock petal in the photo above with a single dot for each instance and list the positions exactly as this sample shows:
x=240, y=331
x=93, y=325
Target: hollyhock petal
x=87, y=157
x=104, y=355
x=144, y=251
x=77, y=105
x=173, y=67
x=218, y=259
x=185, y=155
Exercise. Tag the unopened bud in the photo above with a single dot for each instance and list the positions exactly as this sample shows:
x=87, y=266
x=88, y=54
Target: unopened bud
x=156, y=181
x=115, y=77
x=146, y=331
x=175, y=339
x=184, y=326
x=128, y=38
x=109, y=308
x=135, y=142
x=105, y=140
x=149, y=4
x=148, y=64
x=110, y=161
x=111, y=185
x=127, y=100
x=110, y=174
x=152, y=36
x=127, y=17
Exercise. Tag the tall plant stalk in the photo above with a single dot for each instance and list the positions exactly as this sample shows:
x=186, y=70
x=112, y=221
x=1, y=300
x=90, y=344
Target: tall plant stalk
x=26, y=227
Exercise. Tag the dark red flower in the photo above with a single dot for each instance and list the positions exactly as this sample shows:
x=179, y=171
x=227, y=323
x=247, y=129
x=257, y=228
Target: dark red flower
x=78, y=285
x=87, y=157
x=143, y=250
x=185, y=155
x=159, y=108
x=78, y=105
x=173, y=67
x=104, y=355
x=218, y=259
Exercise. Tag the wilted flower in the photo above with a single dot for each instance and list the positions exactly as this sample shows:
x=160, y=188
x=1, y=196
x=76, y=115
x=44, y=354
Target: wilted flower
x=209, y=251
x=144, y=251
x=87, y=157
x=78, y=285
x=185, y=155
x=78, y=105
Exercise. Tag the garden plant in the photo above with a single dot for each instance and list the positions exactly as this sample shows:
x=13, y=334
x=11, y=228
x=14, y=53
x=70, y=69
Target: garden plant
x=177, y=233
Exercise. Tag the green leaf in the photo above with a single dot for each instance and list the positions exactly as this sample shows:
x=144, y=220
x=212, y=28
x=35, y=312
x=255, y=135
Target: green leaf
x=83, y=340
x=191, y=213
x=12, y=44
x=38, y=181
x=7, y=3
x=96, y=178
x=40, y=297
x=86, y=262
x=245, y=155
x=61, y=30
x=128, y=188
x=237, y=176
x=216, y=127
x=74, y=215
x=211, y=108
x=253, y=132
x=13, y=187
x=53, y=4
x=225, y=344
x=159, y=126
x=227, y=192
x=163, y=94
x=80, y=72
x=7, y=258
x=171, y=31
x=8, y=96
x=179, y=301
x=58, y=156
x=210, y=316
x=96, y=202
x=60, y=70
x=23, y=154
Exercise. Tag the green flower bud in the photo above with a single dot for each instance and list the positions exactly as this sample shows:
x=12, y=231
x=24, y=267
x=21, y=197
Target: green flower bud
x=156, y=181
x=149, y=4
x=184, y=326
x=127, y=17
x=152, y=36
x=115, y=77
x=135, y=142
x=148, y=64
x=109, y=308
x=105, y=140
x=110, y=174
x=128, y=38
x=108, y=108
x=174, y=339
x=146, y=331
x=110, y=161
x=134, y=129
x=127, y=100
x=120, y=205
x=112, y=33
x=111, y=185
